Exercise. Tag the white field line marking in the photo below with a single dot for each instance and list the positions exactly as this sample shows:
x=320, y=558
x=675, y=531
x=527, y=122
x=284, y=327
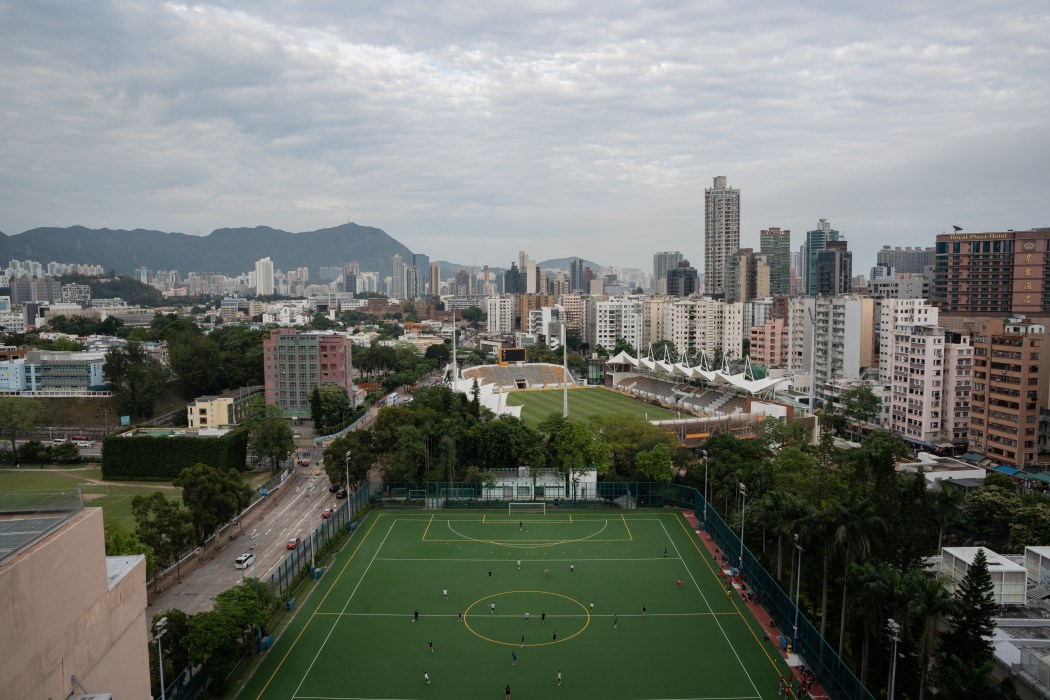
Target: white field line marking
x=345, y=605
x=717, y=621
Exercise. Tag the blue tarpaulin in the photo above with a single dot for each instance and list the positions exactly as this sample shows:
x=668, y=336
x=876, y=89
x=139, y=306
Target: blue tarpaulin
x=1010, y=471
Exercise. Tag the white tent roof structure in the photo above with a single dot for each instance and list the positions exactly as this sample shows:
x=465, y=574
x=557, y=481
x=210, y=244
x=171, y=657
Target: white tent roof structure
x=720, y=377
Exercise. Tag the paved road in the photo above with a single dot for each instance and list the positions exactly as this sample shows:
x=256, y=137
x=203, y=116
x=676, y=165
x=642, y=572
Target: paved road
x=297, y=515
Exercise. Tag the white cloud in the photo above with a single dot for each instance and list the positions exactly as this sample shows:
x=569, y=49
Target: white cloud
x=471, y=130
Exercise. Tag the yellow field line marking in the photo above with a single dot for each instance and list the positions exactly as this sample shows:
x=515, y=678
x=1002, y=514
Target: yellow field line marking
x=692, y=538
x=424, y=537
x=558, y=541
x=628, y=527
x=314, y=613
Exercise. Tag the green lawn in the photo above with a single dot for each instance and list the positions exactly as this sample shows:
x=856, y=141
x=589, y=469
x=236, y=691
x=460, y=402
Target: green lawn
x=355, y=638
x=583, y=404
x=114, y=499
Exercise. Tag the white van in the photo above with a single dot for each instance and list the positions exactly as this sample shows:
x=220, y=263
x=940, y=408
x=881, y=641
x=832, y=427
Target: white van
x=244, y=561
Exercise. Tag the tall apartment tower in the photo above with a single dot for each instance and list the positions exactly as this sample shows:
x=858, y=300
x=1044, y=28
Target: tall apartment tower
x=834, y=271
x=816, y=241
x=721, y=232
x=1009, y=385
x=264, y=277
x=910, y=259
x=435, y=278
x=746, y=276
x=775, y=244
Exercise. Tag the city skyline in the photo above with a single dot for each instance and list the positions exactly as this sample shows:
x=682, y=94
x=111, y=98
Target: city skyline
x=470, y=135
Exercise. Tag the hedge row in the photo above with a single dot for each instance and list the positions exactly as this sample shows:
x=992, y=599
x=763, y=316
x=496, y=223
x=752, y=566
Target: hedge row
x=164, y=457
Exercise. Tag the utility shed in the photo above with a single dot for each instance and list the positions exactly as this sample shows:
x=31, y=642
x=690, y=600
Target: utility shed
x=1008, y=577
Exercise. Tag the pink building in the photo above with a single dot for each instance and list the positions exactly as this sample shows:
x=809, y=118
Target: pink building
x=769, y=343
x=295, y=363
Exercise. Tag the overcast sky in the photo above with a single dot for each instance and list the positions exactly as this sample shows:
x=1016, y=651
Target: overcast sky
x=470, y=130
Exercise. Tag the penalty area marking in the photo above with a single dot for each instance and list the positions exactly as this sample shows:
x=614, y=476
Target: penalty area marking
x=531, y=544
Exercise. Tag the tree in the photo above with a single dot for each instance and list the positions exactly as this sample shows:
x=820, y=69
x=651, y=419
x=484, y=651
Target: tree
x=196, y=361
x=439, y=353
x=999, y=480
x=270, y=434
x=18, y=415
x=579, y=447
x=176, y=658
x=857, y=529
x=971, y=615
x=988, y=512
x=1030, y=525
x=212, y=495
x=162, y=524
x=623, y=346
x=655, y=463
x=473, y=314
x=962, y=681
x=860, y=404
x=507, y=443
x=928, y=599
x=120, y=543
x=136, y=376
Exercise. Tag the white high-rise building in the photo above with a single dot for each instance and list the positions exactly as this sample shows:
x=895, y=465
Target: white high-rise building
x=500, y=311
x=264, y=277
x=694, y=324
x=891, y=316
x=528, y=268
x=721, y=233
x=931, y=373
x=844, y=340
x=618, y=317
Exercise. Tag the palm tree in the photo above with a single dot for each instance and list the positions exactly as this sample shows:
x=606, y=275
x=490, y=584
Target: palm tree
x=963, y=681
x=855, y=534
x=928, y=598
x=947, y=509
x=818, y=527
x=877, y=587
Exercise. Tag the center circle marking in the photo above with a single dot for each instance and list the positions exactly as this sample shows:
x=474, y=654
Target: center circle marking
x=586, y=622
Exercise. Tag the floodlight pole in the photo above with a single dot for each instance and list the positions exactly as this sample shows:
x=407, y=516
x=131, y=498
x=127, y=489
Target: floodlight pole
x=347, y=462
x=798, y=586
x=704, y=453
x=894, y=630
x=564, y=366
x=160, y=629
x=743, y=511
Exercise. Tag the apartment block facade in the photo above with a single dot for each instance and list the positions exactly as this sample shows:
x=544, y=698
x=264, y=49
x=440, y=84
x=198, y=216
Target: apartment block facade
x=930, y=379
x=1009, y=386
x=295, y=363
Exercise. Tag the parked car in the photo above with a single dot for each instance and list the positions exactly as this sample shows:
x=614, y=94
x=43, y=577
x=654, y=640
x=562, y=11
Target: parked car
x=244, y=561
x=293, y=543
x=327, y=512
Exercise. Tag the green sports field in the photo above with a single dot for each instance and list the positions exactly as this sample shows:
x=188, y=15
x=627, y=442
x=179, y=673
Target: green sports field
x=355, y=637
x=583, y=404
x=114, y=499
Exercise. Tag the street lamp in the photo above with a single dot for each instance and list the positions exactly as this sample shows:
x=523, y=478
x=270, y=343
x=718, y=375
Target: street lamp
x=704, y=453
x=798, y=586
x=160, y=629
x=743, y=510
x=894, y=630
x=347, y=463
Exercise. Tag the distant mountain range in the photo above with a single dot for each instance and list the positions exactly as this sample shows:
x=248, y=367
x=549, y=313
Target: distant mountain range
x=229, y=251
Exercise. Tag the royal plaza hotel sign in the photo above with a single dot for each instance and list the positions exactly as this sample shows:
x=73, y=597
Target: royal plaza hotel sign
x=978, y=236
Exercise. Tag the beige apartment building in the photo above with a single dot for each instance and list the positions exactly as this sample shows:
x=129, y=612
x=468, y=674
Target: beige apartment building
x=930, y=374
x=770, y=343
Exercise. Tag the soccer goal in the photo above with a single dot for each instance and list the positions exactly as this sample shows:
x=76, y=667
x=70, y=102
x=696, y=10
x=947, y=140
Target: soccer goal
x=527, y=507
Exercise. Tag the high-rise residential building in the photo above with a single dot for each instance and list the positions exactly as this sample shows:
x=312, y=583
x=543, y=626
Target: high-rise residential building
x=682, y=280
x=816, y=241
x=526, y=303
x=560, y=284
x=775, y=244
x=264, y=277
x=435, y=278
x=843, y=340
x=930, y=380
x=721, y=232
x=834, y=270
x=769, y=343
x=693, y=324
x=500, y=312
x=910, y=259
x=616, y=318
x=663, y=263
x=989, y=274
x=747, y=276
x=397, y=277
x=1008, y=388
x=891, y=315
x=576, y=275
x=294, y=364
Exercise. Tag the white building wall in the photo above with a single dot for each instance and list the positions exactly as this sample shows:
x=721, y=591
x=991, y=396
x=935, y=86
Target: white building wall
x=500, y=312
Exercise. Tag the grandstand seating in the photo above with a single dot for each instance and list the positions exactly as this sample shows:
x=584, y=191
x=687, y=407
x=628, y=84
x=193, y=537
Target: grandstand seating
x=695, y=399
x=529, y=376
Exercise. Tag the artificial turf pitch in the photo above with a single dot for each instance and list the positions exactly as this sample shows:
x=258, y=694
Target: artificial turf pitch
x=583, y=404
x=355, y=637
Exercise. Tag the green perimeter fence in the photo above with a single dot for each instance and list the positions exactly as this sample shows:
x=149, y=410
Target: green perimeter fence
x=833, y=673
